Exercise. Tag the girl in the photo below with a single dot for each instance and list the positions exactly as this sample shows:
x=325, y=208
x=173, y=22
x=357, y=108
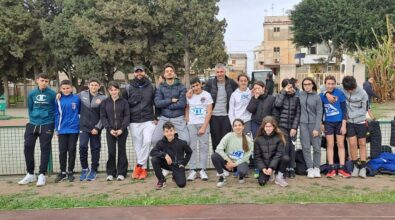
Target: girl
x=114, y=115
x=233, y=151
x=288, y=115
x=310, y=120
x=269, y=152
x=239, y=101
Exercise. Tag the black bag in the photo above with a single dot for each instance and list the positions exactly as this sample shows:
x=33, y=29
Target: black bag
x=392, y=139
x=335, y=149
x=301, y=168
x=375, y=138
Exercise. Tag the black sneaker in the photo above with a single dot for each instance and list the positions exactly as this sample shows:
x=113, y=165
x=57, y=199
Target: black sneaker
x=70, y=177
x=287, y=173
x=160, y=185
x=291, y=174
x=61, y=176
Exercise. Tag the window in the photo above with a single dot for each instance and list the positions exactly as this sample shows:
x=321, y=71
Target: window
x=276, y=49
x=276, y=52
x=276, y=29
x=313, y=50
x=233, y=62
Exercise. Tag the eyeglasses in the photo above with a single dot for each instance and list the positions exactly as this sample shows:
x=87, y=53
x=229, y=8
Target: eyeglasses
x=307, y=84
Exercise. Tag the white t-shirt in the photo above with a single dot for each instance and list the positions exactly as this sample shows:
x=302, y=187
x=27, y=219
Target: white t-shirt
x=198, y=107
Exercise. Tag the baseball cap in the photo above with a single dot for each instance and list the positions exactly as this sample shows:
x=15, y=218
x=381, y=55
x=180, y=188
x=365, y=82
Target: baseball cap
x=138, y=68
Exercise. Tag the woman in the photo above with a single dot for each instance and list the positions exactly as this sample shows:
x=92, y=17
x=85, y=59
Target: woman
x=269, y=152
x=239, y=101
x=233, y=151
x=310, y=121
x=288, y=114
x=114, y=115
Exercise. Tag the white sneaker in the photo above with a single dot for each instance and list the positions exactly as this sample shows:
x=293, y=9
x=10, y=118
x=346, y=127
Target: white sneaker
x=203, y=175
x=41, y=180
x=29, y=178
x=355, y=172
x=310, y=173
x=242, y=181
x=221, y=183
x=226, y=173
x=192, y=175
x=165, y=172
x=280, y=181
x=120, y=177
x=110, y=178
x=317, y=172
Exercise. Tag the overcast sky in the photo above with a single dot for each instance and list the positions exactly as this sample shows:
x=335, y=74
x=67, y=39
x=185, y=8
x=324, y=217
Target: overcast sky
x=245, y=20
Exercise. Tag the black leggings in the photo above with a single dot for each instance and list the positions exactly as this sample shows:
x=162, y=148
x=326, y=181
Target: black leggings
x=178, y=172
x=263, y=178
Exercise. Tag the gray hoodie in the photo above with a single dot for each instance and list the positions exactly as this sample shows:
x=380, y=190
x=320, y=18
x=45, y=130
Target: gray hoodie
x=311, y=109
x=356, y=105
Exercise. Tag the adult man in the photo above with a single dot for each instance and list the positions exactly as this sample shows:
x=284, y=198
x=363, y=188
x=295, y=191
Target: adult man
x=140, y=94
x=170, y=100
x=367, y=86
x=269, y=84
x=220, y=89
x=41, y=108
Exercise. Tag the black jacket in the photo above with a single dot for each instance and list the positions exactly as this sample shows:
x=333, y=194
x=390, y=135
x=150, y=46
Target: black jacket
x=115, y=115
x=212, y=88
x=140, y=96
x=268, y=150
x=90, y=111
x=261, y=107
x=178, y=150
x=367, y=86
x=287, y=111
x=269, y=86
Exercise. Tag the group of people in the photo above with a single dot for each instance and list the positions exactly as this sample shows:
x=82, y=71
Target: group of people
x=248, y=127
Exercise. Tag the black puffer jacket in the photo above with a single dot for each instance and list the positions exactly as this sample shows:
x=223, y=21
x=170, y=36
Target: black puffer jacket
x=178, y=150
x=287, y=111
x=268, y=150
x=115, y=115
x=140, y=95
x=212, y=88
x=261, y=107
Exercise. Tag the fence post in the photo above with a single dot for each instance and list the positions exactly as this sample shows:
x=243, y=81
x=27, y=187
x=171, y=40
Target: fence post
x=50, y=164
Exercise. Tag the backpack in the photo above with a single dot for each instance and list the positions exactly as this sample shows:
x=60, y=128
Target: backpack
x=301, y=168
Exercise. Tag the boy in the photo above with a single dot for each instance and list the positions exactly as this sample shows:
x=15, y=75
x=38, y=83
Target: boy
x=67, y=127
x=197, y=115
x=170, y=153
x=335, y=118
x=41, y=108
x=356, y=99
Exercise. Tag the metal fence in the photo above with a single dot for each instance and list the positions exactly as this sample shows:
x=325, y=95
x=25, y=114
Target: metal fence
x=12, y=159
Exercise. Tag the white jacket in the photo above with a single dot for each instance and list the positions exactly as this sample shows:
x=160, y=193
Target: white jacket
x=238, y=105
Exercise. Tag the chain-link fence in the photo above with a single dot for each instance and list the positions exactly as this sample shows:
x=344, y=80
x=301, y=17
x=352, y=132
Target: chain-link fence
x=12, y=159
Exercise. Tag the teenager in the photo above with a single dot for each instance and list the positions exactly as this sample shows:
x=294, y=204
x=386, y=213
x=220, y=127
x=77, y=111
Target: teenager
x=239, y=101
x=269, y=152
x=287, y=111
x=220, y=88
x=115, y=116
x=41, y=109
x=233, y=151
x=171, y=101
x=357, y=102
x=140, y=94
x=260, y=106
x=197, y=115
x=67, y=127
x=335, y=118
x=310, y=122
x=170, y=153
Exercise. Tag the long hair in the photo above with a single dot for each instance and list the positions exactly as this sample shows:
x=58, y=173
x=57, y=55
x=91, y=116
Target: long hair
x=312, y=82
x=271, y=120
x=244, y=138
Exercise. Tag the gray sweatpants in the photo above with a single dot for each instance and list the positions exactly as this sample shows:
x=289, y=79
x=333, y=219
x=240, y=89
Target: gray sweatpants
x=203, y=146
x=178, y=122
x=307, y=140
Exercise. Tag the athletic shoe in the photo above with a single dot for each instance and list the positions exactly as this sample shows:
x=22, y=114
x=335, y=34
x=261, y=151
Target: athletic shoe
x=355, y=172
x=136, y=172
x=120, y=177
x=280, y=181
x=41, y=180
x=84, y=174
x=203, y=175
x=70, y=177
x=165, y=172
x=110, y=178
x=317, y=172
x=61, y=176
x=310, y=173
x=160, y=185
x=343, y=173
x=29, y=178
x=221, y=181
x=225, y=172
x=192, y=175
x=256, y=173
x=331, y=173
x=143, y=174
x=241, y=180
x=291, y=173
x=91, y=176
x=362, y=173
x=235, y=174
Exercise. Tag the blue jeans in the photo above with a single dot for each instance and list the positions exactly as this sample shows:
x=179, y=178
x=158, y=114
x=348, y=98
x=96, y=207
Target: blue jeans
x=95, y=143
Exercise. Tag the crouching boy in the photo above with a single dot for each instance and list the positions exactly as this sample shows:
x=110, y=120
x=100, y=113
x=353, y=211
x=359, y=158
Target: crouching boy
x=170, y=153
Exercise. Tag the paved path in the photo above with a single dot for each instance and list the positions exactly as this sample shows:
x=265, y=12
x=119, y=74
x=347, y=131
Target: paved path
x=277, y=212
